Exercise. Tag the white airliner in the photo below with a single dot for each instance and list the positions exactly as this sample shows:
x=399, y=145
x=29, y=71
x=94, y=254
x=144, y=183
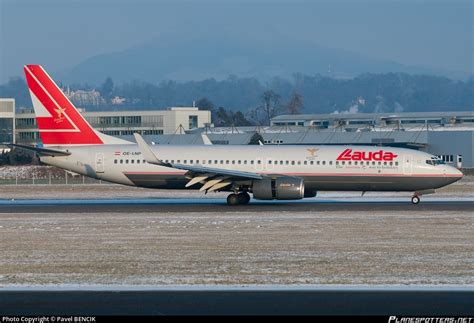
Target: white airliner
x=288, y=172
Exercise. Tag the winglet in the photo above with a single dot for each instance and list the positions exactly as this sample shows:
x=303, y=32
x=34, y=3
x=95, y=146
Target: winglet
x=147, y=152
x=205, y=139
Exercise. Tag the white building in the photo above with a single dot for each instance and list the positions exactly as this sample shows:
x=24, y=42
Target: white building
x=124, y=123
x=7, y=121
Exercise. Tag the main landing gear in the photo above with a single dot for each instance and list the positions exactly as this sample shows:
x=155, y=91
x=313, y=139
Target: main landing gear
x=415, y=199
x=238, y=199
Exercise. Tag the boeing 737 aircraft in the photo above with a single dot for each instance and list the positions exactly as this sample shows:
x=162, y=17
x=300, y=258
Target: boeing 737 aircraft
x=288, y=172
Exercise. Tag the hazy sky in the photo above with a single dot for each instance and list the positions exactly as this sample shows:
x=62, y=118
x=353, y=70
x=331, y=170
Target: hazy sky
x=61, y=34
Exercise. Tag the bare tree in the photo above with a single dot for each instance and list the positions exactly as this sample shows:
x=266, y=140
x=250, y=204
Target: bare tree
x=270, y=104
x=295, y=104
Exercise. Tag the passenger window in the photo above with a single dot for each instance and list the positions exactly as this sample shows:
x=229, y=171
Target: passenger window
x=373, y=163
x=269, y=162
x=245, y=162
x=209, y=161
x=259, y=161
x=299, y=162
x=380, y=163
x=121, y=161
x=185, y=161
x=172, y=161
x=355, y=163
x=311, y=162
x=251, y=162
x=239, y=162
x=292, y=162
x=191, y=161
x=233, y=162
x=115, y=161
x=330, y=163
x=138, y=161
x=396, y=163
x=227, y=162
x=287, y=162
x=318, y=162
x=281, y=162
x=126, y=161
x=305, y=162
x=133, y=161
x=337, y=163
x=178, y=161
x=324, y=162
x=348, y=163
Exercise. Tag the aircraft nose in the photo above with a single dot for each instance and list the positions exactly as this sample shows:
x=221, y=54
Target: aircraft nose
x=454, y=173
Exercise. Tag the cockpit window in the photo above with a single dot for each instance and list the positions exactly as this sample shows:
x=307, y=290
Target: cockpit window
x=435, y=161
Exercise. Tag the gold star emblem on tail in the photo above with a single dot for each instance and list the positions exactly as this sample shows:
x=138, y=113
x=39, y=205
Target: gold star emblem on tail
x=60, y=111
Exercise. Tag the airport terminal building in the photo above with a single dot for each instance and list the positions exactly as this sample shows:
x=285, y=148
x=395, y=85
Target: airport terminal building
x=125, y=123
x=449, y=135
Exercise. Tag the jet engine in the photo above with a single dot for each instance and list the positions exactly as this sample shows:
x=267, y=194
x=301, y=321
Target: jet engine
x=280, y=188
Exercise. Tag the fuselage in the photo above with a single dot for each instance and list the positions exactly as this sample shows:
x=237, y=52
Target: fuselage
x=341, y=168
x=268, y=172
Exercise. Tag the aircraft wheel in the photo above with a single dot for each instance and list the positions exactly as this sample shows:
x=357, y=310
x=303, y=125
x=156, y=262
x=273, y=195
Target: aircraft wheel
x=233, y=199
x=415, y=199
x=244, y=198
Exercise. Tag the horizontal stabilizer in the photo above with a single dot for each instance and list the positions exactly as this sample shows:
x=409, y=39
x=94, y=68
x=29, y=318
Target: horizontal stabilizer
x=42, y=151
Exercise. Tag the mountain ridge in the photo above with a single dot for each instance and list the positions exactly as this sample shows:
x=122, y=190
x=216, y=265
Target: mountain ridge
x=204, y=58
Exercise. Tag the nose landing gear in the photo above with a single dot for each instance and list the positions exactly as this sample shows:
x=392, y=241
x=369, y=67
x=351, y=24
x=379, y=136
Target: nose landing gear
x=415, y=199
x=242, y=198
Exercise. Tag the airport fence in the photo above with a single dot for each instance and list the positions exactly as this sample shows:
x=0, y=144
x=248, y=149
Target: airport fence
x=42, y=175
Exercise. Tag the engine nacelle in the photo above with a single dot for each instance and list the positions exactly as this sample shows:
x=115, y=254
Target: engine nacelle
x=280, y=188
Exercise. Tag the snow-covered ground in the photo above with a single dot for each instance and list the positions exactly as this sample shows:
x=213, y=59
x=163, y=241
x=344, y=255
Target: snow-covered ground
x=237, y=248
x=388, y=247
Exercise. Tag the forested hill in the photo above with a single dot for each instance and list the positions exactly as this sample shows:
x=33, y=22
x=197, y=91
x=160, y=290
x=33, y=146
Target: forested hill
x=390, y=92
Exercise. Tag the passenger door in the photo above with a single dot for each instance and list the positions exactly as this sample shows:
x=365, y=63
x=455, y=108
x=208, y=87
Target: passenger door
x=99, y=163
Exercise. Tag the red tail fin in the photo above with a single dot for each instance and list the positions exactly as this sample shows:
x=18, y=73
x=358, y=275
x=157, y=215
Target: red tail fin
x=59, y=122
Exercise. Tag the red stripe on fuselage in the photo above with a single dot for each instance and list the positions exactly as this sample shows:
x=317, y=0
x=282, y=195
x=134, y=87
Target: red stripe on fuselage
x=312, y=174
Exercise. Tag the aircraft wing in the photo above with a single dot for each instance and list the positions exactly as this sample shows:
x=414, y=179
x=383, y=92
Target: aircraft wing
x=211, y=178
x=218, y=171
x=42, y=151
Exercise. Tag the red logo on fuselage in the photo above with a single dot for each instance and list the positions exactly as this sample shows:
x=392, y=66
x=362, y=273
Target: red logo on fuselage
x=364, y=155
